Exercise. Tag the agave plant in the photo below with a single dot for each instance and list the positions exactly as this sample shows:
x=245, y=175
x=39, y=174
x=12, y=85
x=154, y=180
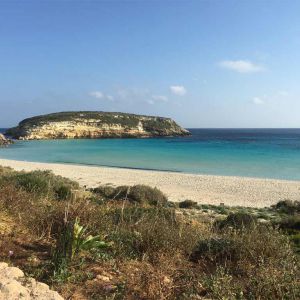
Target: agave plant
x=82, y=241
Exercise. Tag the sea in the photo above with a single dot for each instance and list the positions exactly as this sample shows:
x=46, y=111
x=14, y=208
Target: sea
x=262, y=153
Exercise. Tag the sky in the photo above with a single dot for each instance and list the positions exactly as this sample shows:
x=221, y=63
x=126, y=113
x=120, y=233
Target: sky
x=210, y=64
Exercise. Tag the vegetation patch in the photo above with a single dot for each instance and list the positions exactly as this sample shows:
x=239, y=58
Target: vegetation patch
x=130, y=243
x=141, y=194
x=42, y=183
x=187, y=204
x=237, y=221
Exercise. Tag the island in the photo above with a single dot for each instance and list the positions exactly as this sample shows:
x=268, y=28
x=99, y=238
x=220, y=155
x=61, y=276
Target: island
x=94, y=124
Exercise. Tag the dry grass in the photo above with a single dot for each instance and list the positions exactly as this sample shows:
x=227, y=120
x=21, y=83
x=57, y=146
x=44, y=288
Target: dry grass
x=153, y=252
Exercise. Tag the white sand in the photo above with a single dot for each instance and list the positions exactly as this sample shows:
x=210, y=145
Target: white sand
x=204, y=189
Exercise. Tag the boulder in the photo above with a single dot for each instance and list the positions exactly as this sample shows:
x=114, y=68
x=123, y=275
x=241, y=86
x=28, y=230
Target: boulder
x=14, y=285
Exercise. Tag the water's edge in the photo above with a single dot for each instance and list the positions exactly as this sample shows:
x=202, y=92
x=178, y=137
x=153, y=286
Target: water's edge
x=265, y=153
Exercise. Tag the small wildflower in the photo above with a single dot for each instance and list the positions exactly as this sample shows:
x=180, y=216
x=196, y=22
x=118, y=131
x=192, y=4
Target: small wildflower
x=110, y=287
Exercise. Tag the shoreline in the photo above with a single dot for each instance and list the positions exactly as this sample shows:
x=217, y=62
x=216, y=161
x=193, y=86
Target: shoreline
x=205, y=189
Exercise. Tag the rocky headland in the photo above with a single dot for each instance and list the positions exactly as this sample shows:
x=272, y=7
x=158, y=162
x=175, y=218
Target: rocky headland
x=4, y=141
x=72, y=125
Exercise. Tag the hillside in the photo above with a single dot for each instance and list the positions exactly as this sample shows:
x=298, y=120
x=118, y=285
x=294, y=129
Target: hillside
x=89, y=124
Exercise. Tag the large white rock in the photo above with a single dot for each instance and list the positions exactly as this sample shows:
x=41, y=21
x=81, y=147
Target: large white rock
x=15, y=286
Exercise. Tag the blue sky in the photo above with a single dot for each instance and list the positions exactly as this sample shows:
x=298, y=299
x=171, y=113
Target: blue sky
x=203, y=63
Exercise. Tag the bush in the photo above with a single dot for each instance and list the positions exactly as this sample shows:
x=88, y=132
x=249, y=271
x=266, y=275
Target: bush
x=237, y=220
x=141, y=194
x=147, y=232
x=121, y=192
x=147, y=194
x=290, y=224
x=288, y=207
x=134, y=214
x=44, y=183
x=187, y=204
x=260, y=263
x=105, y=191
x=217, y=249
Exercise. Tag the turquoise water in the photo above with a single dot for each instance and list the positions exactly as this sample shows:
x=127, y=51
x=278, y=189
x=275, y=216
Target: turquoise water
x=270, y=153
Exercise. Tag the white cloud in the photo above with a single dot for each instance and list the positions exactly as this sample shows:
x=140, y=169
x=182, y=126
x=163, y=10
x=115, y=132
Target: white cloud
x=258, y=101
x=151, y=102
x=178, y=90
x=132, y=93
x=283, y=93
x=157, y=99
x=97, y=94
x=160, y=98
x=110, y=97
x=241, y=66
x=100, y=95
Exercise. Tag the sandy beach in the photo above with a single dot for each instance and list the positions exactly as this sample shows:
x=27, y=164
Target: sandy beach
x=205, y=189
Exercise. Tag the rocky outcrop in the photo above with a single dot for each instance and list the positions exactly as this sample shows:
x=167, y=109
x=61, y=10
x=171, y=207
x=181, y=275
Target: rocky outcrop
x=70, y=125
x=14, y=285
x=4, y=141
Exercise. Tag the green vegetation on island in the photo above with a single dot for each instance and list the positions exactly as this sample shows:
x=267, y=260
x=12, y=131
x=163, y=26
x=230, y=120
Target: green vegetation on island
x=130, y=242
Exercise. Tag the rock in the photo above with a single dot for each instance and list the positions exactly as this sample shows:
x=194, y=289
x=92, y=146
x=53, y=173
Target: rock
x=167, y=280
x=70, y=125
x=3, y=265
x=15, y=286
x=103, y=278
x=4, y=141
x=12, y=273
x=13, y=290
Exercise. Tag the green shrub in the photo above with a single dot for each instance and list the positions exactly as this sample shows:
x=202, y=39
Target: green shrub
x=121, y=192
x=63, y=192
x=147, y=194
x=237, y=220
x=217, y=249
x=105, y=191
x=149, y=231
x=34, y=182
x=288, y=207
x=222, y=285
x=45, y=183
x=290, y=224
x=141, y=194
x=295, y=239
x=133, y=214
x=172, y=204
x=187, y=204
x=259, y=262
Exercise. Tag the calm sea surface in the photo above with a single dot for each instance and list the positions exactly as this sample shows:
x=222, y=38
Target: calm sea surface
x=270, y=153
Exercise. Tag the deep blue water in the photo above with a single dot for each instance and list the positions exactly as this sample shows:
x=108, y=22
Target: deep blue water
x=270, y=153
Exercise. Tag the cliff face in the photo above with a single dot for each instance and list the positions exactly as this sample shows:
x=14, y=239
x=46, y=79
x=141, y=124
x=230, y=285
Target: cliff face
x=69, y=125
x=4, y=141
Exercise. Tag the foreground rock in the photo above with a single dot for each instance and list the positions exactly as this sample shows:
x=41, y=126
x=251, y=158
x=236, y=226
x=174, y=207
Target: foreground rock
x=4, y=141
x=14, y=285
x=67, y=125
